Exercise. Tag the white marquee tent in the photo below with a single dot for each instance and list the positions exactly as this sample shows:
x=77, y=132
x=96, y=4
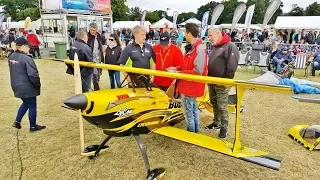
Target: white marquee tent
x=129, y=24
x=298, y=22
x=192, y=20
x=163, y=23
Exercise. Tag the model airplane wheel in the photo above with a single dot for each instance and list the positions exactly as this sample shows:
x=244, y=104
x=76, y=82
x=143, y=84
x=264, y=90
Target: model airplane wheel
x=156, y=174
x=90, y=151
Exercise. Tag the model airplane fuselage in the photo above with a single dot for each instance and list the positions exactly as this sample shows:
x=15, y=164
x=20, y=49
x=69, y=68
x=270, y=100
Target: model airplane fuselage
x=122, y=112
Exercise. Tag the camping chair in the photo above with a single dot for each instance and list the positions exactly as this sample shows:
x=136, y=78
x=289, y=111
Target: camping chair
x=263, y=60
x=243, y=58
x=301, y=62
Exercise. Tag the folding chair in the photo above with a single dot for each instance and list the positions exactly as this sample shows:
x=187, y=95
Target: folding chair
x=301, y=62
x=263, y=60
x=243, y=58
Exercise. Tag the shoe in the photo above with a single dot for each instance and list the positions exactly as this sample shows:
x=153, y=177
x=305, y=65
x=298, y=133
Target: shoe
x=16, y=125
x=37, y=128
x=212, y=126
x=223, y=133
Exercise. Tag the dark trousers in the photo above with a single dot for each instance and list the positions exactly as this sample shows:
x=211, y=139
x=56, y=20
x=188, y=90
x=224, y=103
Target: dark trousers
x=33, y=51
x=96, y=79
x=114, y=76
x=31, y=105
x=86, y=83
x=219, y=96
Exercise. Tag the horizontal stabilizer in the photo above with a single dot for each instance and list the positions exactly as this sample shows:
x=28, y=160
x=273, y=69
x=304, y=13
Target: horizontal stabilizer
x=307, y=100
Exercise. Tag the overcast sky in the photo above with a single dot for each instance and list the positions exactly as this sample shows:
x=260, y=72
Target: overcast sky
x=193, y=5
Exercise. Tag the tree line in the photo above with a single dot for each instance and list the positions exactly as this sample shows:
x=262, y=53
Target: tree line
x=20, y=9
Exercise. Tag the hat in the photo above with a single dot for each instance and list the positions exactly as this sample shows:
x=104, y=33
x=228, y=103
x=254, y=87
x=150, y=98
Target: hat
x=164, y=38
x=22, y=41
x=285, y=49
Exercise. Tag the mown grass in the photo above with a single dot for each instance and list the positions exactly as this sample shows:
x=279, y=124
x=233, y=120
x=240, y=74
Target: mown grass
x=55, y=152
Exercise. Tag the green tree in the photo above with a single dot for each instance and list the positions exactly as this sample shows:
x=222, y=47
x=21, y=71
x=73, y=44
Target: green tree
x=14, y=7
x=208, y=7
x=135, y=13
x=185, y=16
x=152, y=17
x=33, y=13
x=313, y=9
x=120, y=11
x=260, y=11
x=296, y=11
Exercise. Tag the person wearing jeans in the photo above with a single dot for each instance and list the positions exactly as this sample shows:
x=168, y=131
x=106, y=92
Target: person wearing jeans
x=194, y=62
x=282, y=59
x=191, y=113
x=315, y=65
x=25, y=83
x=113, y=53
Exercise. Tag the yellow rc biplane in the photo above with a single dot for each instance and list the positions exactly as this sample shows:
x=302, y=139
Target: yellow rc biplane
x=125, y=112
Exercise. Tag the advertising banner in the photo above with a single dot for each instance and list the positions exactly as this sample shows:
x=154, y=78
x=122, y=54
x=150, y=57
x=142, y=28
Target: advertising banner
x=2, y=15
x=204, y=24
x=237, y=15
x=143, y=17
x=175, y=17
x=249, y=18
x=272, y=8
x=89, y=5
x=216, y=14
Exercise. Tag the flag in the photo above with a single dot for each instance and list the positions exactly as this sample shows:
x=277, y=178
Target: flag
x=143, y=17
x=204, y=24
x=175, y=17
x=249, y=18
x=237, y=15
x=272, y=8
x=8, y=22
x=216, y=14
x=2, y=15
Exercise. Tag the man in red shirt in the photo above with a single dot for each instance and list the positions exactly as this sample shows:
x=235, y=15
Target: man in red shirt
x=167, y=55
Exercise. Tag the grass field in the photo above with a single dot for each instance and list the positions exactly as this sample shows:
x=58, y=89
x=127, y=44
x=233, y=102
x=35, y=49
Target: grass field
x=55, y=152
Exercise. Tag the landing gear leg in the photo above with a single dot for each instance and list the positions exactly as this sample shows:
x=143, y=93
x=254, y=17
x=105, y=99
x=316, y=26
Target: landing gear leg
x=155, y=174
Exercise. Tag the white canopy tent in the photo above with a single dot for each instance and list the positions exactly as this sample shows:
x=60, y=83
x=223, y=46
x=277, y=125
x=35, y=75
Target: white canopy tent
x=129, y=24
x=298, y=22
x=163, y=23
x=238, y=26
x=192, y=20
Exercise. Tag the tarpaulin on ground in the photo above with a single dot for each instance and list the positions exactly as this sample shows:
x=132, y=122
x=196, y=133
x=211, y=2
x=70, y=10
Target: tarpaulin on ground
x=300, y=88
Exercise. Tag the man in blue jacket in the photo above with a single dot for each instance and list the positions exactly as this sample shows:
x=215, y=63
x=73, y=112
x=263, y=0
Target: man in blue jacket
x=282, y=59
x=25, y=83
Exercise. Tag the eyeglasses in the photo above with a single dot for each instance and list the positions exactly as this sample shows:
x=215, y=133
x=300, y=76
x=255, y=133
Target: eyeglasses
x=111, y=39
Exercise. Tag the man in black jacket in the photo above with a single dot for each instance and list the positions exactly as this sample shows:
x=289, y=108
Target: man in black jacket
x=25, y=83
x=95, y=42
x=223, y=63
x=84, y=54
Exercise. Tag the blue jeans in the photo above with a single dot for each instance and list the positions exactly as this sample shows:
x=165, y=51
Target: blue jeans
x=114, y=76
x=31, y=105
x=86, y=83
x=277, y=63
x=191, y=113
x=315, y=66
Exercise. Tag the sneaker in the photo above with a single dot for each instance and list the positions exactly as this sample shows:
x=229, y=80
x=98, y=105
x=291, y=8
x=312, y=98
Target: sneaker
x=212, y=126
x=16, y=125
x=223, y=133
x=37, y=128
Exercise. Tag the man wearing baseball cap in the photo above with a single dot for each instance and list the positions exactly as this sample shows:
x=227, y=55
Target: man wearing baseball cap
x=282, y=59
x=168, y=55
x=25, y=83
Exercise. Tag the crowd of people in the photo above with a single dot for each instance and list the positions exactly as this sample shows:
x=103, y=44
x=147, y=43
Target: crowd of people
x=222, y=61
